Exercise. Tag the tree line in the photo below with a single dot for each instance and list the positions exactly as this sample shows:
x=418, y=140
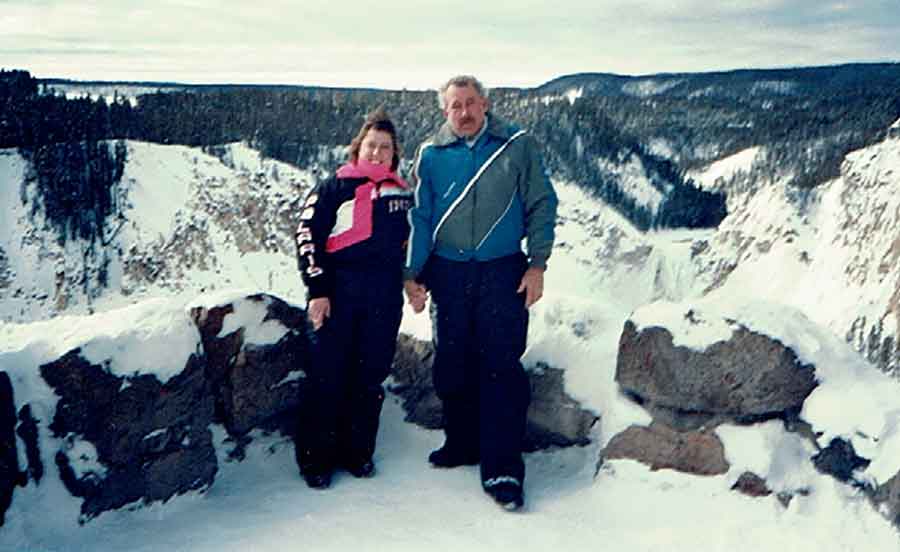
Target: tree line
x=806, y=133
x=75, y=153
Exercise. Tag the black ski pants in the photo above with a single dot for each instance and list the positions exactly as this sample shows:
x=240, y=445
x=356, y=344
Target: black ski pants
x=351, y=357
x=481, y=327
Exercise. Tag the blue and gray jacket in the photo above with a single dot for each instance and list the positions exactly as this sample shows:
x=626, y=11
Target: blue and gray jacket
x=478, y=202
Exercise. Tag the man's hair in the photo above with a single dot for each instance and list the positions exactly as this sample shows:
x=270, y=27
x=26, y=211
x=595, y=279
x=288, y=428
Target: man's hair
x=461, y=80
x=376, y=120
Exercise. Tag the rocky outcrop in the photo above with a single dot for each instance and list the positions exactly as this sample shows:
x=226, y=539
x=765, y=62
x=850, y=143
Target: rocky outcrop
x=748, y=377
x=718, y=371
x=256, y=382
x=662, y=447
x=751, y=484
x=554, y=418
x=128, y=439
x=839, y=460
x=411, y=381
x=124, y=439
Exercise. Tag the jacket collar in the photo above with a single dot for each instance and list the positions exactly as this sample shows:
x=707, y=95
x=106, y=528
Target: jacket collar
x=495, y=127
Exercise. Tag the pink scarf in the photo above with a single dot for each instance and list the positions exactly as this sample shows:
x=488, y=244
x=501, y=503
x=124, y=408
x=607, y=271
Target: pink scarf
x=365, y=169
x=362, y=202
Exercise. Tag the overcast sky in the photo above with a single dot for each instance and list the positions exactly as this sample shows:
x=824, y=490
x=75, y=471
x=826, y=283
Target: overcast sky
x=417, y=44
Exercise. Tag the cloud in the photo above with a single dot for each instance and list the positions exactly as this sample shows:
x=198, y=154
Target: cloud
x=417, y=44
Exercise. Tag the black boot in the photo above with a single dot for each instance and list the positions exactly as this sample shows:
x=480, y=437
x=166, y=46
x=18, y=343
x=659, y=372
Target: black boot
x=447, y=457
x=317, y=479
x=507, y=492
x=315, y=469
x=364, y=469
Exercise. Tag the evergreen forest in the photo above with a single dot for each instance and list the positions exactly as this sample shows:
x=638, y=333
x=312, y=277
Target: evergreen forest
x=807, y=119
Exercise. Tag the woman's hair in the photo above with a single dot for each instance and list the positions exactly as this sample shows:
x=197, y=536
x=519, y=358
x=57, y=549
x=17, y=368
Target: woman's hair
x=376, y=120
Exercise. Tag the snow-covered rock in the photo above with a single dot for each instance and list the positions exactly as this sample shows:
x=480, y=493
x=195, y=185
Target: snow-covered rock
x=710, y=363
x=712, y=368
x=123, y=402
x=554, y=418
x=660, y=446
x=256, y=348
x=123, y=439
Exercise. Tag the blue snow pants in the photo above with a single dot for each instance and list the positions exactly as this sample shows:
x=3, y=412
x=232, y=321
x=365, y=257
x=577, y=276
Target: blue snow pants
x=480, y=331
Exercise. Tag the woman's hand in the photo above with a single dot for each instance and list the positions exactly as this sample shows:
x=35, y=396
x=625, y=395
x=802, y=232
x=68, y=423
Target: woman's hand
x=318, y=310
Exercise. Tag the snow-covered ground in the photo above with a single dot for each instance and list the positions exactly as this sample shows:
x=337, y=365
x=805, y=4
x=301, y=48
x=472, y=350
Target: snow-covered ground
x=261, y=503
x=601, y=272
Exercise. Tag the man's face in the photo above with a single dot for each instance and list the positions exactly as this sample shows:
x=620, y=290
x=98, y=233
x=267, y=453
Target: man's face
x=465, y=109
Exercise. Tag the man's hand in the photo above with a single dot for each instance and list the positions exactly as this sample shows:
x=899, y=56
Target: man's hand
x=318, y=310
x=416, y=294
x=533, y=285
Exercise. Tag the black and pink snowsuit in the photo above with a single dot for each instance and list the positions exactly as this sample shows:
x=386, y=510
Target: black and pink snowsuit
x=351, y=247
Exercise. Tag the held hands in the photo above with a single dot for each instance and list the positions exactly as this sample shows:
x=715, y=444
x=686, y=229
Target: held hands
x=416, y=294
x=318, y=310
x=533, y=285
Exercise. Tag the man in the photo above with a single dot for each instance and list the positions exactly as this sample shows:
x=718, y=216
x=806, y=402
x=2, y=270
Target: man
x=481, y=188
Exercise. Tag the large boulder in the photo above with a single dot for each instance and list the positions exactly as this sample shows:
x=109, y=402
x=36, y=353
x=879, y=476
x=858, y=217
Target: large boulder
x=127, y=439
x=718, y=371
x=411, y=381
x=256, y=348
x=132, y=395
x=554, y=418
x=695, y=367
x=662, y=447
x=748, y=377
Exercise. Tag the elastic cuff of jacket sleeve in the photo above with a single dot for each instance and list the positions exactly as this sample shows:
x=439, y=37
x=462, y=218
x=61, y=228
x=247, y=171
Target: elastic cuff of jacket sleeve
x=539, y=262
x=314, y=290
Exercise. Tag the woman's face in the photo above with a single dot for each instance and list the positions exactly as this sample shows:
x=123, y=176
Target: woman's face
x=377, y=147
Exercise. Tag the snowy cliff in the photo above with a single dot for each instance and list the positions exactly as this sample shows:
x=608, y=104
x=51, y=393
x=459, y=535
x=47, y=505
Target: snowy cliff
x=833, y=251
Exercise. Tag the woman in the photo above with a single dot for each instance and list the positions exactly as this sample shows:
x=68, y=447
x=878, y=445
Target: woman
x=351, y=246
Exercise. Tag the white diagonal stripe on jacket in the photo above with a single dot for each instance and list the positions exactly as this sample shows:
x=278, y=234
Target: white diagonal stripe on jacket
x=471, y=183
